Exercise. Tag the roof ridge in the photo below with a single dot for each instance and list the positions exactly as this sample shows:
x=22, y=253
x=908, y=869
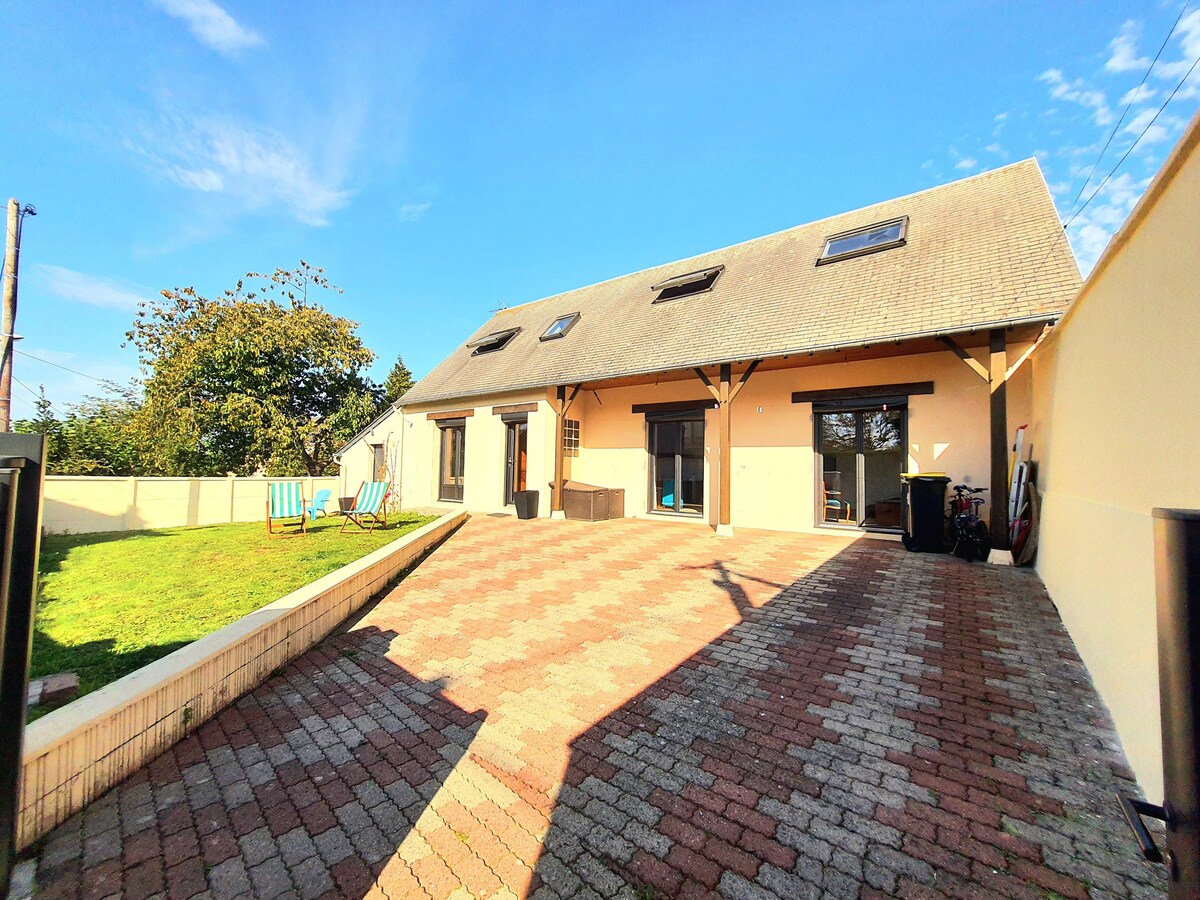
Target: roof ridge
x=937, y=187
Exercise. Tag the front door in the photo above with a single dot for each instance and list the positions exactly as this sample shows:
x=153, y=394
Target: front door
x=677, y=460
x=516, y=456
x=452, y=464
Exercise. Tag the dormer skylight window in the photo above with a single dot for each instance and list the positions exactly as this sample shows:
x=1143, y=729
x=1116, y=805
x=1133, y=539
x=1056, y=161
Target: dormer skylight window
x=490, y=343
x=861, y=241
x=685, y=285
x=560, y=327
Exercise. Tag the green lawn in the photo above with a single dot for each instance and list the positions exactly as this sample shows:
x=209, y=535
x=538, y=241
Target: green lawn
x=111, y=603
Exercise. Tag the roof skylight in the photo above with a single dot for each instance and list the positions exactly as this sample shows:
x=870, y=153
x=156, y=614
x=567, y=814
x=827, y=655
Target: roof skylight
x=861, y=241
x=685, y=285
x=560, y=326
x=490, y=343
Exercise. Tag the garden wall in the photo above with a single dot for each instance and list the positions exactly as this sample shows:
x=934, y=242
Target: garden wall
x=77, y=752
x=81, y=504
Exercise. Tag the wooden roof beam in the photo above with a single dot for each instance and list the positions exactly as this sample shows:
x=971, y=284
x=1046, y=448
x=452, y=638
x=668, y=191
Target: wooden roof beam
x=975, y=365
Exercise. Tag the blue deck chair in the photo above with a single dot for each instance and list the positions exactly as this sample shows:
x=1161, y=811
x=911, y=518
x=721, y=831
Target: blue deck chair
x=368, y=504
x=285, y=500
x=317, y=507
x=668, y=494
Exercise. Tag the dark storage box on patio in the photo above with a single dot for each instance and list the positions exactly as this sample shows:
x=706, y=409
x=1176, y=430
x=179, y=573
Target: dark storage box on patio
x=591, y=503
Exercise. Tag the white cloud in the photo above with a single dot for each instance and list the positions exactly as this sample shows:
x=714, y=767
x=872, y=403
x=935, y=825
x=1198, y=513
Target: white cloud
x=1163, y=129
x=211, y=25
x=1000, y=117
x=1078, y=91
x=1188, y=36
x=94, y=290
x=1093, y=228
x=410, y=212
x=1141, y=95
x=257, y=167
x=1124, y=56
x=967, y=163
x=1138, y=145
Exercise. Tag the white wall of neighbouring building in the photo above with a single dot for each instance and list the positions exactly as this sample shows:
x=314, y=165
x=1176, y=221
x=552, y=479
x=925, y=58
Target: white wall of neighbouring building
x=1116, y=434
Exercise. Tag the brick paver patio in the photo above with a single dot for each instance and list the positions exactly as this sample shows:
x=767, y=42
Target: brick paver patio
x=643, y=709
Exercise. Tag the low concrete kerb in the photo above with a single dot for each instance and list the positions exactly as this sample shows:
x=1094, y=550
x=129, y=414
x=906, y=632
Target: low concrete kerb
x=75, y=753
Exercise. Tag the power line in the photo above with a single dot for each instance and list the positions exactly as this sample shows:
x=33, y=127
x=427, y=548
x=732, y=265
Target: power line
x=36, y=396
x=1061, y=233
x=66, y=368
x=1129, y=105
x=1157, y=113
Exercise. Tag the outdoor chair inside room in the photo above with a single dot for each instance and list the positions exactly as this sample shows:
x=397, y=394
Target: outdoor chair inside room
x=317, y=507
x=285, y=500
x=368, y=504
x=836, y=509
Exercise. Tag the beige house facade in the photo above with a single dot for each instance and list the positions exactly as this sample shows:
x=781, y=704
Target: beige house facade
x=783, y=383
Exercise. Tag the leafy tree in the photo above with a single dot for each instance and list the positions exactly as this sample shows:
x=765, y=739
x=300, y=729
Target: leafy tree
x=43, y=422
x=255, y=380
x=399, y=380
x=96, y=437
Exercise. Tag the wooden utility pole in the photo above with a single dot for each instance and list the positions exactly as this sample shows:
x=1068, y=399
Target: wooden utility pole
x=8, y=310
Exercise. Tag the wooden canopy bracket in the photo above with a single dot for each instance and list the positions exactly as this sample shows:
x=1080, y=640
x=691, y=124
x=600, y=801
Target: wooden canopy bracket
x=1028, y=352
x=737, y=388
x=976, y=366
x=567, y=405
x=708, y=384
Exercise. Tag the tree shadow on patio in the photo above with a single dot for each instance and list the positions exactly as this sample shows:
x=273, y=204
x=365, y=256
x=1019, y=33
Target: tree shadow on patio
x=856, y=731
x=311, y=783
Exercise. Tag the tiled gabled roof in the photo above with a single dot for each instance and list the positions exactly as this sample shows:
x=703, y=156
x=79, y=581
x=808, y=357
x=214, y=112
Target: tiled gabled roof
x=981, y=251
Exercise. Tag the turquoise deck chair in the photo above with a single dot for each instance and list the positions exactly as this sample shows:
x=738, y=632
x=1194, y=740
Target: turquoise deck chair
x=285, y=500
x=368, y=504
x=317, y=507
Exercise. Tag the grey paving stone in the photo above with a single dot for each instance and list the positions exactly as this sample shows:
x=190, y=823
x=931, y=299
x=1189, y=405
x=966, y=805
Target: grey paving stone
x=229, y=880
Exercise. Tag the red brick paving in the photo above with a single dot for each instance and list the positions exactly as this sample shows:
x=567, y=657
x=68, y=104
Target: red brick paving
x=626, y=708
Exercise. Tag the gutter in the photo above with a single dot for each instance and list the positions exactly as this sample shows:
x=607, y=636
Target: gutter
x=1042, y=319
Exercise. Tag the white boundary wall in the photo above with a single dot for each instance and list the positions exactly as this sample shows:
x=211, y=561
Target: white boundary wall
x=77, y=752
x=82, y=504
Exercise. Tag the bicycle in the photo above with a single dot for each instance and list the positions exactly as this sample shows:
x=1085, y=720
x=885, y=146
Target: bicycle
x=968, y=531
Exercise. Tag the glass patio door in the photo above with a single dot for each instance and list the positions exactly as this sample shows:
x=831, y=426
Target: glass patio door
x=861, y=453
x=516, y=455
x=677, y=460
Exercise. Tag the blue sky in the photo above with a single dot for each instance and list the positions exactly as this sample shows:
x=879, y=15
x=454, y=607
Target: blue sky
x=443, y=160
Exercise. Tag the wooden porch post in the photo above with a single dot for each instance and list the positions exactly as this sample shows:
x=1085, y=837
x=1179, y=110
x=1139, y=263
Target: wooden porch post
x=724, y=443
x=560, y=415
x=556, y=504
x=999, y=419
x=725, y=392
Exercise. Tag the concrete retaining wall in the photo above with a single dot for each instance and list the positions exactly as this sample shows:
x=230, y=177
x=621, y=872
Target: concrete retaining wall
x=76, y=753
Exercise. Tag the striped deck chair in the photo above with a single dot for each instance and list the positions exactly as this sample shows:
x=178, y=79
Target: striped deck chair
x=368, y=505
x=285, y=500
